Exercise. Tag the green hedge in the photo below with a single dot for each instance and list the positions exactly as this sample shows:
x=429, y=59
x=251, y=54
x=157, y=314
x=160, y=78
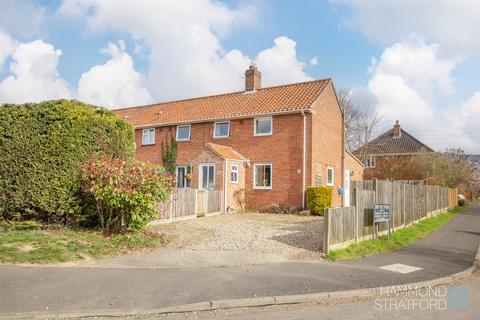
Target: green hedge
x=42, y=147
x=318, y=199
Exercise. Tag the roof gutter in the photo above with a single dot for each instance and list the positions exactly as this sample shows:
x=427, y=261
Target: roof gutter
x=167, y=124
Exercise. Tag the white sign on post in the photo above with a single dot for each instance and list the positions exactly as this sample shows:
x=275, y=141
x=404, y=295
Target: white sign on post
x=381, y=212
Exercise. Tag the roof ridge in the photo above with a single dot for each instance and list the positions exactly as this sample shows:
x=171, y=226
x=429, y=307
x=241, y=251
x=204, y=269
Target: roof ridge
x=413, y=137
x=221, y=94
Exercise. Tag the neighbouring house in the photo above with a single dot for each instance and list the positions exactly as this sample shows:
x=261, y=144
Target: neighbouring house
x=391, y=155
x=259, y=145
x=353, y=172
x=354, y=167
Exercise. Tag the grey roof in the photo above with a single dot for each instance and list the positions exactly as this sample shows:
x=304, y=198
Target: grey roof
x=387, y=144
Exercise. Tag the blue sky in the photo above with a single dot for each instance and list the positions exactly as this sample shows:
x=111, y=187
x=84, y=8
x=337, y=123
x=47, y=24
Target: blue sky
x=416, y=61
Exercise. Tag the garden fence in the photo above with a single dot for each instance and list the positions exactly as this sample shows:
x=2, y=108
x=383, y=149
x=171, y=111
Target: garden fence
x=187, y=203
x=410, y=201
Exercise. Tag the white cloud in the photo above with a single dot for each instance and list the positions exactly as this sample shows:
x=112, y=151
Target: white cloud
x=7, y=46
x=314, y=61
x=454, y=24
x=420, y=66
x=407, y=83
x=34, y=74
x=186, y=56
x=279, y=64
x=22, y=18
x=115, y=83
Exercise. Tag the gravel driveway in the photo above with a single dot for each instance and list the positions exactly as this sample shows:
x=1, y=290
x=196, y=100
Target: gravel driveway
x=233, y=239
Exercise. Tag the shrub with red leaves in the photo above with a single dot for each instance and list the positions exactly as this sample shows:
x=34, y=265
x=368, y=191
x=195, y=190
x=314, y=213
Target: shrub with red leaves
x=126, y=195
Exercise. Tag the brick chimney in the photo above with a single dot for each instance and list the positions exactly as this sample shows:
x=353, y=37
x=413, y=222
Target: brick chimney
x=397, y=132
x=253, y=78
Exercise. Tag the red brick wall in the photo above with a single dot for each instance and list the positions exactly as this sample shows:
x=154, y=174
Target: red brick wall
x=283, y=149
x=356, y=168
x=327, y=141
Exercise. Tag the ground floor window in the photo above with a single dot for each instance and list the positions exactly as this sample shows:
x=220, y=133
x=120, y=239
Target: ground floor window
x=262, y=176
x=183, y=176
x=234, y=173
x=330, y=177
x=207, y=176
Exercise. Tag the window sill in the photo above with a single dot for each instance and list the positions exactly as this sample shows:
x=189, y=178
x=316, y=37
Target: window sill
x=262, y=134
x=262, y=188
x=219, y=138
x=182, y=140
x=147, y=144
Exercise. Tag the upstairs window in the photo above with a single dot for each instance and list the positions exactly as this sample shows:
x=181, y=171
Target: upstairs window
x=221, y=129
x=330, y=177
x=262, y=126
x=183, y=132
x=262, y=176
x=148, y=136
x=370, y=162
x=234, y=174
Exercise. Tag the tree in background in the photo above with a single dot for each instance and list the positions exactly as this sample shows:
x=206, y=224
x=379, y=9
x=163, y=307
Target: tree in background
x=360, y=123
x=451, y=168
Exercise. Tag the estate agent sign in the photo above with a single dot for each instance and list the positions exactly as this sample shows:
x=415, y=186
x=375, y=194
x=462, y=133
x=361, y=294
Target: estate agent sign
x=381, y=212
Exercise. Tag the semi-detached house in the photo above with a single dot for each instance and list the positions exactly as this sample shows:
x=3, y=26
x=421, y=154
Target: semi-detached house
x=263, y=144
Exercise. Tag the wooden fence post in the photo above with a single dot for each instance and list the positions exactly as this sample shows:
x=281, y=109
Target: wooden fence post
x=326, y=230
x=195, y=210
x=356, y=214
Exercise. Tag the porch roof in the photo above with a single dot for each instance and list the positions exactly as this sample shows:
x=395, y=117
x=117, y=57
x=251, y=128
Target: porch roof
x=225, y=152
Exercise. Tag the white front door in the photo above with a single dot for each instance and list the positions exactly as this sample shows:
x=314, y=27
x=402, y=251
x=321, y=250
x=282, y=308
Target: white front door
x=207, y=176
x=346, y=189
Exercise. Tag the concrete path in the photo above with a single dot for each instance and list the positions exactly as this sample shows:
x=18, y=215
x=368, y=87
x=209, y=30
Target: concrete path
x=94, y=290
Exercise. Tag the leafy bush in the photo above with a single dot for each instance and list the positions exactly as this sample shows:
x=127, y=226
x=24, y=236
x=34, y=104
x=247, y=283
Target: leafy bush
x=318, y=199
x=20, y=225
x=42, y=146
x=126, y=195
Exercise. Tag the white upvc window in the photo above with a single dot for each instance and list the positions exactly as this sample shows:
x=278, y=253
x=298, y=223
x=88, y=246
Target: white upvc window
x=330, y=176
x=262, y=126
x=262, y=176
x=370, y=162
x=207, y=176
x=184, y=132
x=221, y=129
x=234, y=174
x=183, y=176
x=148, y=136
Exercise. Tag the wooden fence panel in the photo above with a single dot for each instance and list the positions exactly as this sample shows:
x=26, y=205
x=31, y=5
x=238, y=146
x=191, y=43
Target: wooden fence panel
x=214, y=201
x=410, y=201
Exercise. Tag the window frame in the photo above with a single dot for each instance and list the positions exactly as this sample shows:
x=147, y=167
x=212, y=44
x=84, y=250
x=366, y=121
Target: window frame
x=200, y=174
x=215, y=127
x=370, y=162
x=151, y=138
x=331, y=184
x=188, y=170
x=189, y=132
x=255, y=126
x=255, y=165
x=234, y=171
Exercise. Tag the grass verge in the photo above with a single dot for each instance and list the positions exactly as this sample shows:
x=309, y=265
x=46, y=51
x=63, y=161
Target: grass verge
x=37, y=244
x=398, y=239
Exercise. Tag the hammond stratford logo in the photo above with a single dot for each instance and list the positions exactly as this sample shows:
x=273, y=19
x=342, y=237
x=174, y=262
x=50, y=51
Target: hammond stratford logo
x=438, y=298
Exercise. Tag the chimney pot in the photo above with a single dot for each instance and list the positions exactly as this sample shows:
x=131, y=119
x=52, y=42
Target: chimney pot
x=397, y=132
x=253, y=78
